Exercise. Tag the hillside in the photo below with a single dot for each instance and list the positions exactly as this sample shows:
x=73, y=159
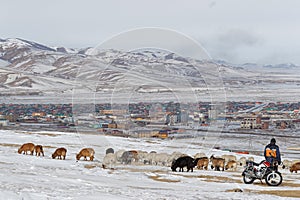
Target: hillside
x=32, y=71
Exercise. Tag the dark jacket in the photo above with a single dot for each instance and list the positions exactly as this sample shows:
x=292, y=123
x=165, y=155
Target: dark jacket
x=272, y=153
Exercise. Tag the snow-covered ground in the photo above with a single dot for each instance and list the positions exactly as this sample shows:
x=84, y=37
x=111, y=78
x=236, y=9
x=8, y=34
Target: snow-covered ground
x=31, y=177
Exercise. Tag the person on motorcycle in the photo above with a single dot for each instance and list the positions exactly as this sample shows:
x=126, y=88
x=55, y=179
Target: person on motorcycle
x=272, y=152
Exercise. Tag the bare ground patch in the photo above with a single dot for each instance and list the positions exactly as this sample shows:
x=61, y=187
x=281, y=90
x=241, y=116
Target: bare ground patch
x=91, y=166
x=281, y=193
x=9, y=145
x=159, y=178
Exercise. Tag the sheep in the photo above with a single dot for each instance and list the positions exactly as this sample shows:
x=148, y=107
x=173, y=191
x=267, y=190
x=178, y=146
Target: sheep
x=149, y=158
x=295, y=167
x=286, y=164
x=160, y=159
x=231, y=165
x=26, y=147
x=217, y=163
x=242, y=161
x=38, y=150
x=182, y=162
x=251, y=159
x=228, y=158
x=86, y=152
x=109, y=161
x=143, y=157
x=109, y=150
x=119, y=154
x=60, y=152
x=202, y=163
x=199, y=155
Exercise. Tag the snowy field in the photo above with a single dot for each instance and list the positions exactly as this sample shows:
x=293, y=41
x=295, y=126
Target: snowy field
x=30, y=177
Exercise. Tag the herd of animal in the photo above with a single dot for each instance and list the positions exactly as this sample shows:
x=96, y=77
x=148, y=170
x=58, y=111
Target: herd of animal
x=174, y=160
x=59, y=153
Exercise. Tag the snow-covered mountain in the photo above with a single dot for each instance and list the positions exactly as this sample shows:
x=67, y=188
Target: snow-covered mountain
x=30, y=68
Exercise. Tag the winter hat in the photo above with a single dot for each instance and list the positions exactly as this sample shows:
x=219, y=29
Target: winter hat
x=273, y=140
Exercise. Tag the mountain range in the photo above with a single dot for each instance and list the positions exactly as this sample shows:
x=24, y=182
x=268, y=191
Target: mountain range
x=30, y=70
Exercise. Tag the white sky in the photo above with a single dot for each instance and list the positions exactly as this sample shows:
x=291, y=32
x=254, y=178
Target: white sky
x=238, y=31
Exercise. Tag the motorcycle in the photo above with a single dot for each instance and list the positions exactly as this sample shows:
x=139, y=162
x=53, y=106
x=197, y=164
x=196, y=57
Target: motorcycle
x=263, y=170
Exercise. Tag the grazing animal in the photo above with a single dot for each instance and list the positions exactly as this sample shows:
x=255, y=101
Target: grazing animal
x=143, y=157
x=242, y=161
x=202, y=163
x=26, y=147
x=175, y=155
x=119, y=154
x=217, y=163
x=182, y=162
x=231, y=165
x=295, y=167
x=251, y=159
x=160, y=159
x=38, y=150
x=60, y=153
x=86, y=152
x=228, y=158
x=109, y=161
x=109, y=150
x=129, y=156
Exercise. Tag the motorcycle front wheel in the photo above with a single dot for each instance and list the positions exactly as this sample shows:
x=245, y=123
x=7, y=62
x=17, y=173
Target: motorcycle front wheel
x=248, y=180
x=273, y=178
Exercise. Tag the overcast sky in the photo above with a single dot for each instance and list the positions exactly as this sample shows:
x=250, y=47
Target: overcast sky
x=238, y=31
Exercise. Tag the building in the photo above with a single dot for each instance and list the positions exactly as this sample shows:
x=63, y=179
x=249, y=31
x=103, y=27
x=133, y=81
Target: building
x=3, y=121
x=249, y=123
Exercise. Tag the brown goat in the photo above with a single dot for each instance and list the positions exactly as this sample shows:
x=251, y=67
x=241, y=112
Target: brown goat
x=38, y=150
x=232, y=164
x=60, y=152
x=26, y=147
x=295, y=167
x=86, y=152
x=217, y=163
x=202, y=163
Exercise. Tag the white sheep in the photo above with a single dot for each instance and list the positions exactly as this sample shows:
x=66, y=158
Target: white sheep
x=119, y=154
x=109, y=161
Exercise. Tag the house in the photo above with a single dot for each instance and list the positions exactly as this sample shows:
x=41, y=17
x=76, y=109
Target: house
x=3, y=121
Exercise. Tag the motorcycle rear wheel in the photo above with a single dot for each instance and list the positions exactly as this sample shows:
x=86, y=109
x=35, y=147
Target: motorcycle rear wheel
x=273, y=178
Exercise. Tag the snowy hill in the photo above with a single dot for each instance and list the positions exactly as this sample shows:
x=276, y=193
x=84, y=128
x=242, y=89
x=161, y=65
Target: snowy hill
x=58, y=72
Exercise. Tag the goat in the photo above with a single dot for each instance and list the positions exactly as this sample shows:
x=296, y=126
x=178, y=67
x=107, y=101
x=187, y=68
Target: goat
x=202, y=163
x=295, y=167
x=86, y=152
x=231, y=165
x=60, y=152
x=26, y=147
x=38, y=150
x=217, y=163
